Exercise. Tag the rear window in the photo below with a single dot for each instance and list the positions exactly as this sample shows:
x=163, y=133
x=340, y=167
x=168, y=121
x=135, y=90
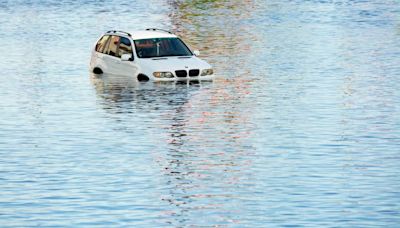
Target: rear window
x=102, y=43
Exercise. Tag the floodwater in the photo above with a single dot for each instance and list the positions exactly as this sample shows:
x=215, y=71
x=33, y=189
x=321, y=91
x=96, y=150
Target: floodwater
x=301, y=128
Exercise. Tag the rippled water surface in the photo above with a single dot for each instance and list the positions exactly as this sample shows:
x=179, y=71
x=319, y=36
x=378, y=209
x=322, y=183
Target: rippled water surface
x=300, y=128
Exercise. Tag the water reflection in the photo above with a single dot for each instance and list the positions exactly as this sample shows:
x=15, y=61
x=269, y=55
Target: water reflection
x=204, y=167
x=118, y=91
x=202, y=158
x=208, y=161
x=223, y=32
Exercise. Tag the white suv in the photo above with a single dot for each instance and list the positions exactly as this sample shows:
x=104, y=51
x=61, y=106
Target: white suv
x=153, y=54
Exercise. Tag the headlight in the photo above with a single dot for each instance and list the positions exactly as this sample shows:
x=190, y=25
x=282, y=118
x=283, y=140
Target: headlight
x=163, y=75
x=207, y=72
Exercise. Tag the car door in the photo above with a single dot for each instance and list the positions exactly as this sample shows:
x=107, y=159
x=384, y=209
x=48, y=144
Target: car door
x=128, y=68
x=98, y=53
x=110, y=58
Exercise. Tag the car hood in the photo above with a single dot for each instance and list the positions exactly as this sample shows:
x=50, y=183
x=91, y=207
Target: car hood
x=173, y=63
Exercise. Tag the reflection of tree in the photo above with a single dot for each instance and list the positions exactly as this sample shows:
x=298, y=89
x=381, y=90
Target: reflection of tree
x=215, y=27
x=207, y=160
x=224, y=33
x=203, y=165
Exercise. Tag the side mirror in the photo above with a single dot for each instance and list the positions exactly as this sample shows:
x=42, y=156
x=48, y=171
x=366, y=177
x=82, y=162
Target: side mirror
x=196, y=52
x=126, y=57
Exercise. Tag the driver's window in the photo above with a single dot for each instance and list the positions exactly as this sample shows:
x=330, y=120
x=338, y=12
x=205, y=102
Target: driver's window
x=125, y=47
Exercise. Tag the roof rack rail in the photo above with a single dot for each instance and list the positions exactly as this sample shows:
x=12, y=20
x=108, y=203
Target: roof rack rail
x=156, y=29
x=115, y=31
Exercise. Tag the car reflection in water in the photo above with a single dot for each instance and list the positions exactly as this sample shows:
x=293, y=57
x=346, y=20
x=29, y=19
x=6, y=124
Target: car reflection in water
x=196, y=178
x=121, y=92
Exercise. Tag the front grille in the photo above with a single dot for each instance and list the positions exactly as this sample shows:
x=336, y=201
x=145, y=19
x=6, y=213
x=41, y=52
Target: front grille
x=181, y=73
x=193, y=73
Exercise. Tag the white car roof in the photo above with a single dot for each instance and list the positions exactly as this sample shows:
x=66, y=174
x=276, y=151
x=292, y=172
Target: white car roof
x=145, y=34
x=137, y=35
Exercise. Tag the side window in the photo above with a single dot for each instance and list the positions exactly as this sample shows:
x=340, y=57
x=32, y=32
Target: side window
x=106, y=46
x=102, y=43
x=125, y=47
x=112, y=47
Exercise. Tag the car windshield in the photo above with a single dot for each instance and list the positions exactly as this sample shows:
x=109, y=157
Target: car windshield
x=159, y=47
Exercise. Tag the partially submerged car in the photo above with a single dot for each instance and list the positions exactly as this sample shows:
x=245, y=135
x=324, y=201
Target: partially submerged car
x=152, y=54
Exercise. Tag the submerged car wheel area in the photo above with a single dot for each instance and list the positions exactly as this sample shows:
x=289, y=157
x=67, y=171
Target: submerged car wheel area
x=97, y=70
x=142, y=78
x=152, y=54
